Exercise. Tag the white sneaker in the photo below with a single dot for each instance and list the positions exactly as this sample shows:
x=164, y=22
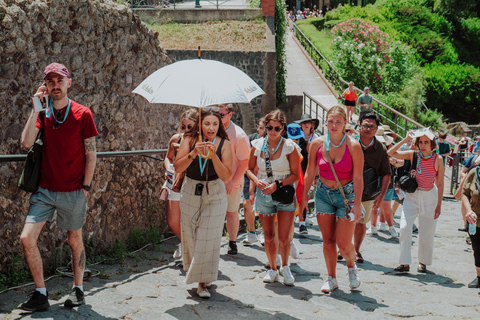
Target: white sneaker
x=393, y=232
x=383, y=226
x=353, y=277
x=279, y=260
x=272, y=276
x=288, y=278
x=308, y=221
x=177, y=255
x=330, y=285
x=250, y=239
x=372, y=230
x=294, y=252
x=261, y=239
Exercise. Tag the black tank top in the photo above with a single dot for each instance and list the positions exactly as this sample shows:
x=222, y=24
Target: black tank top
x=193, y=171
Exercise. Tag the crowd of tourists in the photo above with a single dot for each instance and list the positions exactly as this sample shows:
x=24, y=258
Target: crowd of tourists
x=211, y=163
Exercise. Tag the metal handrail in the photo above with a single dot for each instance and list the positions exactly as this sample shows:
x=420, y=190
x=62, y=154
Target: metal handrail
x=334, y=76
x=111, y=154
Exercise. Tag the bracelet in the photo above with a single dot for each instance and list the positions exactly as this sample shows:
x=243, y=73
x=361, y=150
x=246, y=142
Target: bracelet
x=190, y=156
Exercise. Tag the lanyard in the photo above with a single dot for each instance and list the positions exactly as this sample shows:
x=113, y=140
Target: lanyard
x=50, y=111
x=420, y=157
x=231, y=124
x=369, y=145
x=328, y=141
x=202, y=166
x=265, y=144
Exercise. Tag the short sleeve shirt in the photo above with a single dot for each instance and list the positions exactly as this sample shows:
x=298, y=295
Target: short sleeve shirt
x=363, y=99
x=240, y=149
x=376, y=157
x=64, y=154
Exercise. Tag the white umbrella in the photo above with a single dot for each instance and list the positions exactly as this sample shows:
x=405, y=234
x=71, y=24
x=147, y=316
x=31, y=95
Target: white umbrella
x=198, y=83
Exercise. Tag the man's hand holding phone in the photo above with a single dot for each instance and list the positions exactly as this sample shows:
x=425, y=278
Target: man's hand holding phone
x=39, y=97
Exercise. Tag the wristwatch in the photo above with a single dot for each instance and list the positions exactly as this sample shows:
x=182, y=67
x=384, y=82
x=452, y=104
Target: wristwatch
x=279, y=184
x=86, y=188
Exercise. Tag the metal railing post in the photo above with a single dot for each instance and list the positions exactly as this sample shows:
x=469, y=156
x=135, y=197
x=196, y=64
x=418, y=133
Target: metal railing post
x=455, y=171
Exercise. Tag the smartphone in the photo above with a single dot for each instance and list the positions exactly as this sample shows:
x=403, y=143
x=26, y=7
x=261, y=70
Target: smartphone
x=171, y=178
x=198, y=189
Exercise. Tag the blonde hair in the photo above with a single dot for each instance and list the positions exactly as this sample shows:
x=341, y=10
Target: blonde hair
x=190, y=114
x=337, y=109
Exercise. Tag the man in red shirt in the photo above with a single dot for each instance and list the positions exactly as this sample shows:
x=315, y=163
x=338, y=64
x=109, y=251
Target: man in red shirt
x=68, y=164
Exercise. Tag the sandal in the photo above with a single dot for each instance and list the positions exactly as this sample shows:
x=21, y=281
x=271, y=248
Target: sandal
x=359, y=258
x=339, y=256
x=402, y=269
x=468, y=240
x=422, y=268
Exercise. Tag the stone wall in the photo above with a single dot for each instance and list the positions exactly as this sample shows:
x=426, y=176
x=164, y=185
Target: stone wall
x=152, y=15
x=260, y=66
x=109, y=51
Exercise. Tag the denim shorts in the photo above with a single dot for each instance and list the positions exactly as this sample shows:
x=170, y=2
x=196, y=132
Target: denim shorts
x=390, y=195
x=330, y=201
x=70, y=206
x=265, y=205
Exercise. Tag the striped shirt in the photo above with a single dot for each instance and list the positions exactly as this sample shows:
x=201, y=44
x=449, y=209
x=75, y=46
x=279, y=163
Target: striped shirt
x=426, y=172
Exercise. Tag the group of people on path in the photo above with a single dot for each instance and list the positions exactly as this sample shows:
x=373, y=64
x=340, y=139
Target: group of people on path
x=208, y=160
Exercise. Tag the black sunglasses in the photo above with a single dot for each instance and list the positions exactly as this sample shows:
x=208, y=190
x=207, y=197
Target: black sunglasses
x=57, y=124
x=277, y=129
x=189, y=127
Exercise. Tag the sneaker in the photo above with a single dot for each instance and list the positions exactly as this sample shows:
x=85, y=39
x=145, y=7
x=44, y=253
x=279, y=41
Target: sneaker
x=393, y=232
x=353, y=277
x=475, y=283
x=382, y=227
x=422, y=268
x=330, y=285
x=309, y=221
x=271, y=276
x=202, y=292
x=250, y=239
x=76, y=298
x=288, y=278
x=261, y=239
x=303, y=229
x=232, y=247
x=177, y=255
x=402, y=269
x=36, y=302
x=372, y=231
x=294, y=252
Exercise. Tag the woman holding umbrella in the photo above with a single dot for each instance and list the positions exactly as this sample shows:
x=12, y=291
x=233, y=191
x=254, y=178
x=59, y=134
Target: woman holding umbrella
x=202, y=200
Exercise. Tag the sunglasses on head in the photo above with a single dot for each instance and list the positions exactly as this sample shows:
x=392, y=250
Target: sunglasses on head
x=215, y=109
x=277, y=129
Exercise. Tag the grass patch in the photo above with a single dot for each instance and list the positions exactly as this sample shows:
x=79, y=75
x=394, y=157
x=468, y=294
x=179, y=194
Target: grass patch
x=320, y=39
x=213, y=35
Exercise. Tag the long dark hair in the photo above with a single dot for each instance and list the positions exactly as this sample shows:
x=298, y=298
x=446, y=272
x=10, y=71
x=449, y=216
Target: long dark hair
x=277, y=115
x=205, y=113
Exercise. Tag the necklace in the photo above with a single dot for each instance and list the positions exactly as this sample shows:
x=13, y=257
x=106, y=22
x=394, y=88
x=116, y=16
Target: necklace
x=202, y=166
x=331, y=143
x=274, y=150
x=231, y=124
x=369, y=145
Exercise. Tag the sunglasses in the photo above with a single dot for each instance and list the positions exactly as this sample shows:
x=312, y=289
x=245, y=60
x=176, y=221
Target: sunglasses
x=57, y=124
x=215, y=109
x=189, y=127
x=277, y=129
x=364, y=126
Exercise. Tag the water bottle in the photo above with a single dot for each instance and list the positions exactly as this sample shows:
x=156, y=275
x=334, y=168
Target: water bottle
x=472, y=228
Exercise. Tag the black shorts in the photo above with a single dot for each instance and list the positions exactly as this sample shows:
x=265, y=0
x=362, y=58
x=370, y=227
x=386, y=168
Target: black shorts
x=349, y=103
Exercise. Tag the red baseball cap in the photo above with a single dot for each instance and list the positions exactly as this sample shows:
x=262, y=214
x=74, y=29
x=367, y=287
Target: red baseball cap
x=57, y=68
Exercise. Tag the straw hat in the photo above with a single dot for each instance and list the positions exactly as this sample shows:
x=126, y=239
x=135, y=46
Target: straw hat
x=382, y=137
x=389, y=131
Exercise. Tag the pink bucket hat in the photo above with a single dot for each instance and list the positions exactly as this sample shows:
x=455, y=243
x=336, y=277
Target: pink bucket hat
x=57, y=68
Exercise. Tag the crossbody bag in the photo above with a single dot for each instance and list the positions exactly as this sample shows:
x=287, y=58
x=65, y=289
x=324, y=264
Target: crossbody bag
x=284, y=194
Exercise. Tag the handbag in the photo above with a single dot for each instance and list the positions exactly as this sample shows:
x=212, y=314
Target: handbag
x=347, y=203
x=177, y=184
x=408, y=182
x=285, y=194
x=31, y=174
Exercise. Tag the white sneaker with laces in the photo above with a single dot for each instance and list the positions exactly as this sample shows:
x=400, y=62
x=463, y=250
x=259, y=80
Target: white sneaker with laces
x=308, y=221
x=294, y=252
x=250, y=239
x=383, y=226
x=353, y=277
x=178, y=252
x=271, y=276
x=372, y=230
x=288, y=278
x=393, y=232
x=330, y=285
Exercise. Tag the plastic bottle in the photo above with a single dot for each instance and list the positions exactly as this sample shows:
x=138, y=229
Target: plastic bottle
x=472, y=228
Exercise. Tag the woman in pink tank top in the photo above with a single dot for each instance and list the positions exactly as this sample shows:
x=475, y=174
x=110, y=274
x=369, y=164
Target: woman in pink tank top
x=425, y=203
x=335, y=224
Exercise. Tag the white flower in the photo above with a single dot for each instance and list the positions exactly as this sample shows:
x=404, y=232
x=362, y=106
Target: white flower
x=361, y=45
x=374, y=49
x=369, y=66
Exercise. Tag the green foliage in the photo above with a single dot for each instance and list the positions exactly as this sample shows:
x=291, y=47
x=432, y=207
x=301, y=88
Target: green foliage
x=320, y=39
x=138, y=238
x=255, y=4
x=17, y=272
x=281, y=25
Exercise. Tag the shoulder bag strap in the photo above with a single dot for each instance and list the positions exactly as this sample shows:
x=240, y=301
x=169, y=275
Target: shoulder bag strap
x=339, y=185
x=268, y=164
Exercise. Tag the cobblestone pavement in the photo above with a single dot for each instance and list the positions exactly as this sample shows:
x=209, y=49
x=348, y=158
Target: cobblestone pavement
x=151, y=285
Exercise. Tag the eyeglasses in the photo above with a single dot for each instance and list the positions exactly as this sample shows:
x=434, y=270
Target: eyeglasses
x=189, y=127
x=277, y=129
x=364, y=126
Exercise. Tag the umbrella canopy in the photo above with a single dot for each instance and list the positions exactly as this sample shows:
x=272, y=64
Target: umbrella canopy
x=198, y=83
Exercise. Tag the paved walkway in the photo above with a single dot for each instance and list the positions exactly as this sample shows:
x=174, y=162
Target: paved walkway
x=151, y=285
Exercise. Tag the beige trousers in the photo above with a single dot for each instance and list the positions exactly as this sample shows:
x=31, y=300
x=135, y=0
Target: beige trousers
x=202, y=220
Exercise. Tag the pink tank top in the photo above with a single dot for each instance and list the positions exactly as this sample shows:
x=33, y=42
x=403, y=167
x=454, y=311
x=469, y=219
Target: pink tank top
x=343, y=168
x=426, y=179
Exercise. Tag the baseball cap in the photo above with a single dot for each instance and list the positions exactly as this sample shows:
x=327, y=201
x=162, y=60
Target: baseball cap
x=294, y=131
x=366, y=88
x=57, y=68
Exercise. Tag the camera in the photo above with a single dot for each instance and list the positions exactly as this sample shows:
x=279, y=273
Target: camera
x=198, y=189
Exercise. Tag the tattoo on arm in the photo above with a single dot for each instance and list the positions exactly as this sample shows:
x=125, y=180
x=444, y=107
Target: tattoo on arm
x=90, y=144
x=81, y=263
